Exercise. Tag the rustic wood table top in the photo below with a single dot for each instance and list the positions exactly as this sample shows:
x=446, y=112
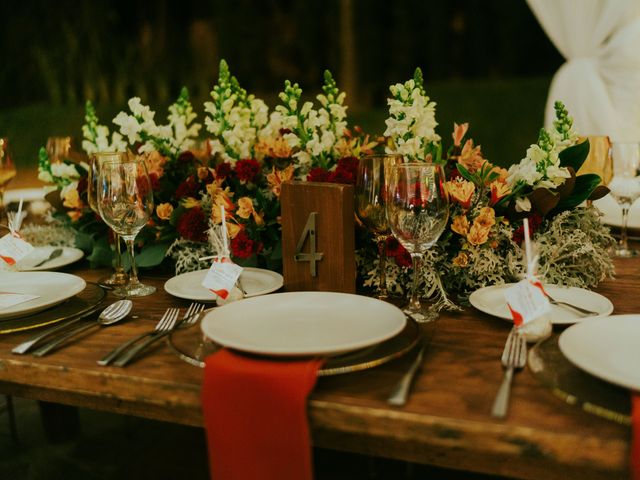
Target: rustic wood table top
x=446, y=422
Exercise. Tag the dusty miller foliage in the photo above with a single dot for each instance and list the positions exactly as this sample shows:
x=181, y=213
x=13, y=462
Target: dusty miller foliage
x=573, y=247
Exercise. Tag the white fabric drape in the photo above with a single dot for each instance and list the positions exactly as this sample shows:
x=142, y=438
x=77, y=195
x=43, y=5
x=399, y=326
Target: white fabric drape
x=600, y=81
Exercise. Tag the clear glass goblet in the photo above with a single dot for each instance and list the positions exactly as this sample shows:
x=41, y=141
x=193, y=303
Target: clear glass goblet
x=625, y=188
x=125, y=202
x=417, y=207
x=119, y=276
x=370, y=195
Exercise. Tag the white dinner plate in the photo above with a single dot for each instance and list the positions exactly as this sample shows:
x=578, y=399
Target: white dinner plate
x=303, y=323
x=69, y=256
x=612, y=212
x=255, y=281
x=607, y=347
x=491, y=300
x=51, y=287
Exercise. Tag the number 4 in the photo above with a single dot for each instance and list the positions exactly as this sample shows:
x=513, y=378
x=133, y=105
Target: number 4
x=313, y=256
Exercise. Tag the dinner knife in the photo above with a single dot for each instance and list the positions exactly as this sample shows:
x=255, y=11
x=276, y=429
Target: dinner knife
x=25, y=347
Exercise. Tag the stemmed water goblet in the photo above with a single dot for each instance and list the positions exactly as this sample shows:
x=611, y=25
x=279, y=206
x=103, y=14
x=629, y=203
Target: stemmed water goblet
x=625, y=187
x=370, y=194
x=417, y=206
x=125, y=203
x=7, y=170
x=119, y=276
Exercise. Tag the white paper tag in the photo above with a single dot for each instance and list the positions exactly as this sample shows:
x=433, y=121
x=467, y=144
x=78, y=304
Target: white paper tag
x=10, y=299
x=222, y=276
x=13, y=249
x=526, y=301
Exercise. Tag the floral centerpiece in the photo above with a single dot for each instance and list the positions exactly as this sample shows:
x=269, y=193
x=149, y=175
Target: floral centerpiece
x=481, y=245
x=245, y=152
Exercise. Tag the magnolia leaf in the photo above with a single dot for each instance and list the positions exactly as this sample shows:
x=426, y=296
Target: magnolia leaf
x=176, y=214
x=543, y=200
x=585, y=185
x=152, y=255
x=599, y=192
x=101, y=256
x=575, y=155
x=84, y=242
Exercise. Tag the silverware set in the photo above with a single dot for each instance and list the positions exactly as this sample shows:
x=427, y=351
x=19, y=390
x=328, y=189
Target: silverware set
x=59, y=335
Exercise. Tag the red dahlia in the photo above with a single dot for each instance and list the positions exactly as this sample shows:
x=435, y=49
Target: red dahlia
x=188, y=188
x=242, y=246
x=192, y=225
x=318, y=174
x=223, y=170
x=247, y=170
x=396, y=251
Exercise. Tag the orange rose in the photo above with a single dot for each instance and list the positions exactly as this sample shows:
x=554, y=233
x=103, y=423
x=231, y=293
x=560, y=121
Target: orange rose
x=462, y=260
x=72, y=199
x=246, y=210
x=478, y=234
x=164, y=211
x=486, y=218
x=74, y=215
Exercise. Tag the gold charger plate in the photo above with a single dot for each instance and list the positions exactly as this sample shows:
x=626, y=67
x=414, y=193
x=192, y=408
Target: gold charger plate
x=81, y=303
x=576, y=387
x=192, y=347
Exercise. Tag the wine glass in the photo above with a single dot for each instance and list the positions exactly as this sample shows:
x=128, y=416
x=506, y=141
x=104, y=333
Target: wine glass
x=119, y=276
x=625, y=187
x=125, y=202
x=417, y=207
x=7, y=170
x=370, y=206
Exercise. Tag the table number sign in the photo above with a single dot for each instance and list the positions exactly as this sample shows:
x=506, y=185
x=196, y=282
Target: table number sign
x=318, y=245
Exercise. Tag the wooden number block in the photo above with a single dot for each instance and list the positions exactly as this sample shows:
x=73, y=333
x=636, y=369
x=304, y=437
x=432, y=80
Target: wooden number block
x=318, y=245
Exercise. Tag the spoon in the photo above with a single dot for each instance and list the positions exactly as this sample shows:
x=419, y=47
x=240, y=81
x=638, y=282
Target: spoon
x=110, y=315
x=55, y=253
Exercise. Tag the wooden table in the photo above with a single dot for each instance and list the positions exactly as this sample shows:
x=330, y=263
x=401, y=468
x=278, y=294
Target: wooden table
x=445, y=423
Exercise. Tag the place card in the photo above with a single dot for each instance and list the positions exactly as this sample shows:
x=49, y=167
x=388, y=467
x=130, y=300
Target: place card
x=527, y=301
x=13, y=248
x=10, y=299
x=222, y=276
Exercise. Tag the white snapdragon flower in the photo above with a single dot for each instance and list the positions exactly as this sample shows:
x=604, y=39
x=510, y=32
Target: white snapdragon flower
x=63, y=170
x=140, y=110
x=129, y=126
x=45, y=177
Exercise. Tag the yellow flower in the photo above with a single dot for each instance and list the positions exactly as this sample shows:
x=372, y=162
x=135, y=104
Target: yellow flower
x=277, y=177
x=245, y=210
x=459, y=131
x=478, y=234
x=190, y=202
x=471, y=157
x=203, y=172
x=486, y=218
x=164, y=211
x=72, y=199
x=462, y=260
x=274, y=147
x=460, y=225
x=233, y=229
x=462, y=191
x=223, y=197
x=499, y=189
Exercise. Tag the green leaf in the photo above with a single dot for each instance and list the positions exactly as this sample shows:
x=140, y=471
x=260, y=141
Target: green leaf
x=152, y=255
x=101, y=256
x=176, y=214
x=585, y=184
x=84, y=242
x=464, y=172
x=575, y=155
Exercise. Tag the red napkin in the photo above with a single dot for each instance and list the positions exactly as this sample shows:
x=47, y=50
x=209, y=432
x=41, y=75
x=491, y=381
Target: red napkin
x=255, y=414
x=635, y=435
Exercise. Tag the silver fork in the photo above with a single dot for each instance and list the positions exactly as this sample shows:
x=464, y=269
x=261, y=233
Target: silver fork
x=167, y=321
x=190, y=317
x=584, y=311
x=514, y=357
